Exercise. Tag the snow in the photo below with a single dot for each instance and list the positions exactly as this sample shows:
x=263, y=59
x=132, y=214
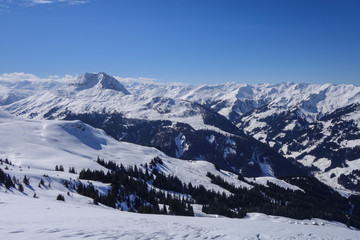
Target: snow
x=211, y=139
x=181, y=144
x=5, y=116
x=100, y=81
x=260, y=136
x=266, y=168
x=307, y=160
x=290, y=126
x=42, y=144
x=352, y=143
x=29, y=218
x=278, y=182
x=322, y=163
x=332, y=181
x=229, y=151
x=272, y=144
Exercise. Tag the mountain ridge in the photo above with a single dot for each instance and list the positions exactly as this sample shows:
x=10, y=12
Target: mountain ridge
x=254, y=109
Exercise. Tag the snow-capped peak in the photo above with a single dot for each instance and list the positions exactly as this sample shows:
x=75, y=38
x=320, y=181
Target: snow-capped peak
x=100, y=81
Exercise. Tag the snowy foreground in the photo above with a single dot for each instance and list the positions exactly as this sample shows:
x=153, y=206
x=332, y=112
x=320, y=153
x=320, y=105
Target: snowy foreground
x=30, y=218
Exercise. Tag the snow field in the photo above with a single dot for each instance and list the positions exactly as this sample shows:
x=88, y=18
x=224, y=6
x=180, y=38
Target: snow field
x=30, y=218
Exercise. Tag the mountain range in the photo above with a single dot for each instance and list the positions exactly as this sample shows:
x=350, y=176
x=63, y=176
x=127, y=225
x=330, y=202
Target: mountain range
x=280, y=144
x=256, y=130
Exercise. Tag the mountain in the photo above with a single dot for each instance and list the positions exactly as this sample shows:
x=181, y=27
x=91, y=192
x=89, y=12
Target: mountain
x=330, y=145
x=15, y=90
x=179, y=128
x=257, y=130
x=316, y=125
x=232, y=100
x=99, y=81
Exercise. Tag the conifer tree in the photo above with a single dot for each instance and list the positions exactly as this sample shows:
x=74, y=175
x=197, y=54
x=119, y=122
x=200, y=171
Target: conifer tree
x=60, y=197
x=26, y=180
x=20, y=187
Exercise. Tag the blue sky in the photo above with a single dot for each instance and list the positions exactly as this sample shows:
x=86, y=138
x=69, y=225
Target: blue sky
x=190, y=41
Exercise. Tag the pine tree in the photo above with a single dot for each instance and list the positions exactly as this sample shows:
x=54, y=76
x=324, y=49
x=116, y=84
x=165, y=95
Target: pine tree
x=8, y=182
x=20, y=187
x=26, y=181
x=96, y=198
x=60, y=197
x=41, y=182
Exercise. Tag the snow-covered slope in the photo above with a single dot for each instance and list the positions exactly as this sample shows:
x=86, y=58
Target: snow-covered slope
x=43, y=144
x=30, y=218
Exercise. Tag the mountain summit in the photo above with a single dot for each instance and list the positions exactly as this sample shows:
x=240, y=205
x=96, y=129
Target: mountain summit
x=100, y=81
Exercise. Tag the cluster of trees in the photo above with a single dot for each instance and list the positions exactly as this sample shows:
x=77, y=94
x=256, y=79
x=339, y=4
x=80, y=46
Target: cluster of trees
x=129, y=185
x=59, y=168
x=72, y=170
x=6, y=179
x=9, y=182
x=13, y=182
x=168, y=183
x=60, y=197
x=6, y=161
x=155, y=161
x=108, y=164
x=316, y=201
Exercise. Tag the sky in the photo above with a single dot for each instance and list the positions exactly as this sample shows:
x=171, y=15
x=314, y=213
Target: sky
x=189, y=41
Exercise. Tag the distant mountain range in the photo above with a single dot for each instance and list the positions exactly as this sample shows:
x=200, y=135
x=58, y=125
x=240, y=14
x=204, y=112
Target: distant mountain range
x=256, y=130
